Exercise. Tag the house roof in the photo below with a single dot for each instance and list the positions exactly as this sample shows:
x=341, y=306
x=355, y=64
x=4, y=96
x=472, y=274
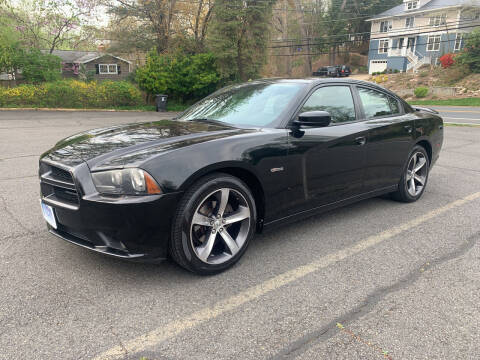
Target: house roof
x=81, y=57
x=430, y=6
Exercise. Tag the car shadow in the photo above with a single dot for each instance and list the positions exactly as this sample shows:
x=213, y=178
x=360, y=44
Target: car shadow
x=262, y=245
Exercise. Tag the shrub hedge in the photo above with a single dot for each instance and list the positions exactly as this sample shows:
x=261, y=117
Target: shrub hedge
x=421, y=92
x=73, y=94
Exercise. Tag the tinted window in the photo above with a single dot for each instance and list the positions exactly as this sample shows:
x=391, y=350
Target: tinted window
x=252, y=104
x=376, y=103
x=337, y=100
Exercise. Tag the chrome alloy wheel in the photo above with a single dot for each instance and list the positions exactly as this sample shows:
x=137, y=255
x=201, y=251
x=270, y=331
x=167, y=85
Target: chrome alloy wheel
x=417, y=171
x=220, y=226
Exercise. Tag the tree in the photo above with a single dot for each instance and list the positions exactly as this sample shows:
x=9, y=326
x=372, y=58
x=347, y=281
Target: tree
x=470, y=56
x=48, y=24
x=11, y=52
x=151, y=18
x=38, y=67
x=163, y=24
x=239, y=36
x=185, y=77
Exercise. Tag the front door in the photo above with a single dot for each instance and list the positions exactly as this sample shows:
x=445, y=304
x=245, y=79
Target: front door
x=327, y=164
x=411, y=44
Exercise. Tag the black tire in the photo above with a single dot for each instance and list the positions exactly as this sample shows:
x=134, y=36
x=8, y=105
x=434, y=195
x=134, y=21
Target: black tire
x=403, y=194
x=181, y=247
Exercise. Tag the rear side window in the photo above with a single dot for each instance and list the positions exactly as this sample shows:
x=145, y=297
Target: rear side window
x=377, y=104
x=337, y=100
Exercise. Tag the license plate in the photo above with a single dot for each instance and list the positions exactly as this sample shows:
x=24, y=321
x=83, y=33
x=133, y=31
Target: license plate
x=49, y=215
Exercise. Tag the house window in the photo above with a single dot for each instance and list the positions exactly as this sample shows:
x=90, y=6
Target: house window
x=433, y=43
x=409, y=22
x=106, y=69
x=438, y=20
x=411, y=5
x=383, y=46
x=386, y=26
x=471, y=15
x=458, y=42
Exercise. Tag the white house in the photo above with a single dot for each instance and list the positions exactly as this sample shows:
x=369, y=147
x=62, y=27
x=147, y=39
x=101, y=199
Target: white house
x=419, y=32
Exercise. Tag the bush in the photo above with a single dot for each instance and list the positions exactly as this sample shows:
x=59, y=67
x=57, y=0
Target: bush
x=183, y=77
x=73, y=94
x=470, y=56
x=447, y=60
x=396, y=71
x=38, y=67
x=421, y=92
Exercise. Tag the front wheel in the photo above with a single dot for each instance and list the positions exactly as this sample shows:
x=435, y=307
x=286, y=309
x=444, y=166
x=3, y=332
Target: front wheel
x=415, y=176
x=215, y=221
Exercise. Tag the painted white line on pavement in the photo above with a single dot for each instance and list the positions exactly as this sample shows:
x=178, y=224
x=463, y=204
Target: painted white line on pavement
x=457, y=118
x=176, y=327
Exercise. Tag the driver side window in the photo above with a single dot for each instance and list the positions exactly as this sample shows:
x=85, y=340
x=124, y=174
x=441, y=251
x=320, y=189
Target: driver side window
x=336, y=100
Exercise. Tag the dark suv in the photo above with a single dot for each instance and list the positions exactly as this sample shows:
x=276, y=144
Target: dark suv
x=343, y=70
x=330, y=71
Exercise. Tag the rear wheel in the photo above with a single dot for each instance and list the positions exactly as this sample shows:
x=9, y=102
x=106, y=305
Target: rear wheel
x=214, y=224
x=415, y=176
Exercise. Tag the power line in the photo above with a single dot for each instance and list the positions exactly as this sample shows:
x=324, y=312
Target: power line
x=386, y=34
x=370, y=50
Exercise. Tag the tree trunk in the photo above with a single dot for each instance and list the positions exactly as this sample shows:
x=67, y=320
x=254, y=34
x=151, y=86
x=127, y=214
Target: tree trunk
x=305, y=34
x=288, y=50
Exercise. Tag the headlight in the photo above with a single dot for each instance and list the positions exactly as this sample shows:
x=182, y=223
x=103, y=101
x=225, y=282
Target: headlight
x=125, y=182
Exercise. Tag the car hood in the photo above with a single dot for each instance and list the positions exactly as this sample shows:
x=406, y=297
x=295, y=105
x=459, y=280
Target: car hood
x=131, y=144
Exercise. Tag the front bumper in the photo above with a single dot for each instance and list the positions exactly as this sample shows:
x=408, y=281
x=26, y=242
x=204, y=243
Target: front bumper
x=134, y=228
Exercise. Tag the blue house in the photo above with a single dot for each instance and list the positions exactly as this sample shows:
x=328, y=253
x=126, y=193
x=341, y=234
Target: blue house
x=419, y=32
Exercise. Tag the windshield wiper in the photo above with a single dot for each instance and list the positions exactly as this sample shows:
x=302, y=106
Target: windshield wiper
x=212, y=121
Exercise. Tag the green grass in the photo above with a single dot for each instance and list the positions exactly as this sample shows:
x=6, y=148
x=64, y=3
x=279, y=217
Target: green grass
x=451, y=102
x=177, y=107
x=462, y=125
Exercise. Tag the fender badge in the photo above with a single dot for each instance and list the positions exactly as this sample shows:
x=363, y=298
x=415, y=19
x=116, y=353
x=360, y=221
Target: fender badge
x=274, y=170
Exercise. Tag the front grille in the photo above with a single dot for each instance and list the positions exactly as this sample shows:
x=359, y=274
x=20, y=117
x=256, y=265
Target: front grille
x=70, y=196
x=58, y=186
x=61, y=174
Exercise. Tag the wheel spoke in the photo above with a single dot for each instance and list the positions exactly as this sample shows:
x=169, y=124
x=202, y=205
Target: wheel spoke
x=409, y=175
x=199, y=219
x=420, y=179
x=414, y=161
x=241, y=214
x=421, y=163
x=412, y=188
x=205, y=251
x=224, y=195
x=231, y=244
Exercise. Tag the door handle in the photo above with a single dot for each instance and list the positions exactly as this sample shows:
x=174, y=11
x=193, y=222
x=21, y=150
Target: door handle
x=408, y=128
x=362, y=140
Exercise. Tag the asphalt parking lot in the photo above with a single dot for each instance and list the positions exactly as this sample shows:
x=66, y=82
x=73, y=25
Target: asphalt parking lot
x=375, y=280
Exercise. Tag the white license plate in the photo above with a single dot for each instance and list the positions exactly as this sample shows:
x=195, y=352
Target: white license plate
x=49, y=215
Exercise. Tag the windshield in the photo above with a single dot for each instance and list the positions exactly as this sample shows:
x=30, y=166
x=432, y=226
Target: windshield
x=252, y=104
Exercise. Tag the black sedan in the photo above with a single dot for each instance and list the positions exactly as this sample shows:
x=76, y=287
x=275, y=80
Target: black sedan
x=247, y=158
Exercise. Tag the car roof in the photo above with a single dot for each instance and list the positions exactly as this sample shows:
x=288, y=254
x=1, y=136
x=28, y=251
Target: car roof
x=314, y=81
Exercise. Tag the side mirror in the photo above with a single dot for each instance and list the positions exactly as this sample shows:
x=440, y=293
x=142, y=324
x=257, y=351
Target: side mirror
x=313, y=119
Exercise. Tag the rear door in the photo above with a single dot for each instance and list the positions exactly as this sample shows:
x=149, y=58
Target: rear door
x=390, y=137
x=327, y=164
